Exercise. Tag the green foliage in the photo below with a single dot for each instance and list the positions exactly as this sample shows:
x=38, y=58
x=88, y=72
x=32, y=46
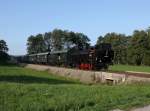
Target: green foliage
x=82, y=40
x=146, y=59
x=134, y=49
x=36, y=44
x=28, y=90
x=4, y=57
x=119, y=44
x=56, y=40
x=3, y=46
x=100, y=40
x=48, y=40
x=138, y=46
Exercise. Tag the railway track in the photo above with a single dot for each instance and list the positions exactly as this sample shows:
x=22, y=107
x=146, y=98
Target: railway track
x=132, y=73
x=87, y=76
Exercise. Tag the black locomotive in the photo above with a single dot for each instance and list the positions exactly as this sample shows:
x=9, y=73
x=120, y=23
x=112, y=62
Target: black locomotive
x=93, y=58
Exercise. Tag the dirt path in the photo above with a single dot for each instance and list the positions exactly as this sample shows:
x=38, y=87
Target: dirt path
x=145, y=108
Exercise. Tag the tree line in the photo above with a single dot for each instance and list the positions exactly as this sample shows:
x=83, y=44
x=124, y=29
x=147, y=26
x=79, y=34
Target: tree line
x=56, y=40
x=133, y=49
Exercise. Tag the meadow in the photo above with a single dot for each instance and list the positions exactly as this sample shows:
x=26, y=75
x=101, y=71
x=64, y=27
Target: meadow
x=29, y=90
x=130, y=68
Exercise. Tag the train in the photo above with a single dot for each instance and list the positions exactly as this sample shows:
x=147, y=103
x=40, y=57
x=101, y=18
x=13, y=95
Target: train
x=96, y=57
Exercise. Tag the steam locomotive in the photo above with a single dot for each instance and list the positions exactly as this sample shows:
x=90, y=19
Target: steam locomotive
x=93, y=58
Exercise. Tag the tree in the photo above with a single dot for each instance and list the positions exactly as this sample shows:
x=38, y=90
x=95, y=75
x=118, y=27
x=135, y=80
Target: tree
x=40, y=44
x=146, y=59
x=100, y=40
x=36, y=44
x=65, y=40
x=71, y=39
x=3, y=46
x=68, y=37
x=4, y=57
x=48, y=40
x=31, y=45
x=82, y=41
x=137, y=48
x=119, y=44
x=138, y=52
x=57, y=39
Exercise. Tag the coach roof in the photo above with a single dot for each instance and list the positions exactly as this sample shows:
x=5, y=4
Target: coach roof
x=56, y=52
x=45, y=53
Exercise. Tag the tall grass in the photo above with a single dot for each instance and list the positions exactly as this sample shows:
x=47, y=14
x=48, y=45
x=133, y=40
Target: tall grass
x=29, y=90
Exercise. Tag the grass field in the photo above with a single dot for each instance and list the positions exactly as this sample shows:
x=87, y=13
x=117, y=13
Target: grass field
x=130, y=68
x=28, y=90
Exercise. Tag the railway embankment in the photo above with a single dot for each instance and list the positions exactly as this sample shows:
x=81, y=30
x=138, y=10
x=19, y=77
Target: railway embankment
x=93, y=76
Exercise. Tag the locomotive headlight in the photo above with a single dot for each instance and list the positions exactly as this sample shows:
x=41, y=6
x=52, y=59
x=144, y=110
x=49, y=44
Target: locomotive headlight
x=100, y=60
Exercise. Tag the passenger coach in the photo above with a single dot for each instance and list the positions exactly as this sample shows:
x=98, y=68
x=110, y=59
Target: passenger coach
x=93, y=58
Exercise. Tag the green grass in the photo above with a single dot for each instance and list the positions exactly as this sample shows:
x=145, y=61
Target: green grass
x=130, y=68
x=28, y=90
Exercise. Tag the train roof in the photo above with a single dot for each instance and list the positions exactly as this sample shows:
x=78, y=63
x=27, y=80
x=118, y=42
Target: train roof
x=45, y=53
x=80, y=52
x=56, y=52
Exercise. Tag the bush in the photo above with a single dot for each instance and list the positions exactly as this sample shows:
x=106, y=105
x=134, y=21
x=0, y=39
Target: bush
x=146, y=59
x=4, y=57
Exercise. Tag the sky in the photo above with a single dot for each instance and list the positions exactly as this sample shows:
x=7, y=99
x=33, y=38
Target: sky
x=21, y=18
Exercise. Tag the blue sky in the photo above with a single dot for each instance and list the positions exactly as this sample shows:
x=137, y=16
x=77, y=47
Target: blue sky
x=21, y=18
